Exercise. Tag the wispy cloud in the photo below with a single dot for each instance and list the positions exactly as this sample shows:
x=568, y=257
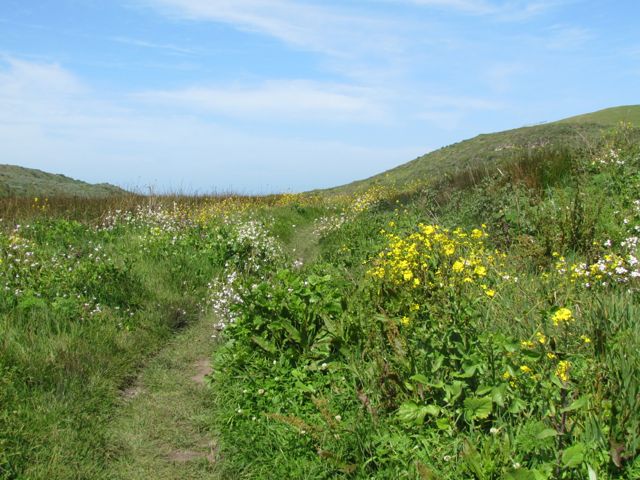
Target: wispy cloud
x=502, y=10
x=275, y=101
x=337, y=32
x=155, y=46
x=50, y=119
x=566, y=37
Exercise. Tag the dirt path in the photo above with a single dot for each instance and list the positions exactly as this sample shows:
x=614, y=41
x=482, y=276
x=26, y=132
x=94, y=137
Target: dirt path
x=161, y=431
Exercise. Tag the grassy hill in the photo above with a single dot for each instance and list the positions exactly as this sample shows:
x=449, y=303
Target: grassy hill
x=27, y=182
x=488, y=150
x=609, y=116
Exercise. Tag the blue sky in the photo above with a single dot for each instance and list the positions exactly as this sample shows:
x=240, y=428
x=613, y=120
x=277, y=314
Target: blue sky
x=284, y=95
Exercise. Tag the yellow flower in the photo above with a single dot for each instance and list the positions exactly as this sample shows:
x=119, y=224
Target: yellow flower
x=551, y=356
x=480, y=271
x=405, y=320
x=506, y=375
x=525, y=369
x=585, y=339
x=526, y=344
x=407, y=275
x=458, y=266
x=562, y=315
x=415, y=307
x=490, y=293
x=562, y=370
x=542, y=339
x=449, y=249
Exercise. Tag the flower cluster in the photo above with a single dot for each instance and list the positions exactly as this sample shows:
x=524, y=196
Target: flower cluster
x=435, y=257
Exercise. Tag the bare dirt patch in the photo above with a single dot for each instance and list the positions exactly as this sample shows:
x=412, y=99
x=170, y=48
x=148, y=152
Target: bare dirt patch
x=202, y=368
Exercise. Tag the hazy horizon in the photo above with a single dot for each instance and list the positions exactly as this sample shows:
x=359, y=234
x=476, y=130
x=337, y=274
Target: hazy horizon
x=256, y=96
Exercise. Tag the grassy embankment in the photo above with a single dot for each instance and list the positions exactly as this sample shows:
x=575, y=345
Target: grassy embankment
x=481, y=326
x=90, y=290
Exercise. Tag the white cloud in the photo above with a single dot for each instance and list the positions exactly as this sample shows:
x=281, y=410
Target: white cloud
x=503, y=10
x=276, y=100
x=303, y=25
x=49, y=119
x=566, y=37
x=156, y=46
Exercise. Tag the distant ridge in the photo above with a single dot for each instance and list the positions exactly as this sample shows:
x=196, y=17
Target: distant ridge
x=494, y=148
x=609, y=116
x=18, y=181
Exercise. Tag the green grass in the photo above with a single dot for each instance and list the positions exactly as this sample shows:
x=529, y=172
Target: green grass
x=18, y=181
x=162, y=427
x=343, y=367
x=609, y=116
x=487, y=152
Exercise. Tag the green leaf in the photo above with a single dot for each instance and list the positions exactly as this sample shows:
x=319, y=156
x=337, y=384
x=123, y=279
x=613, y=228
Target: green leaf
x=411, y=414
x=291, y=330
x=546, y=433
x=577, y=404
x=264, y=344
x=477, y=407
x=443, y=424
x=419, y=378
x=520, y=474
x=573, y=456
x=497, y=394
x=473, y=459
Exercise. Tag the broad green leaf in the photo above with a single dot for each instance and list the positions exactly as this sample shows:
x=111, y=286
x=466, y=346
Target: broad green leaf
x=577, y=404
x=413, y=414
x=419, y=378
x=264, y=344
x=443, y=424
x=573, y=456
x=477, y=407
x=546, y=433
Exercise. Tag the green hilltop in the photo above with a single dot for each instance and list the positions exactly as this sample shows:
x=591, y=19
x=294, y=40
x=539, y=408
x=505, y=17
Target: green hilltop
x=493, y=150
x=18, y=181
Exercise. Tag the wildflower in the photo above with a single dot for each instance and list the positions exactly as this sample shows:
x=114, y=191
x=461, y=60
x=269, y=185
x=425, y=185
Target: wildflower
x=541, y=338
x=526, y=344
x=551, y=356
x=562, y=370
x=525, y=369
x=458, y=266
x=405, y=320
x=480, y=270
x=585, y=339
x=490, y=292
x=475, y=233
x=415, y=307
x=562, y=315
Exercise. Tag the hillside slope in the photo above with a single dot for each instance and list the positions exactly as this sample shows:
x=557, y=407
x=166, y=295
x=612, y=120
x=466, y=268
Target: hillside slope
x=493, y=149
x=18, y=181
